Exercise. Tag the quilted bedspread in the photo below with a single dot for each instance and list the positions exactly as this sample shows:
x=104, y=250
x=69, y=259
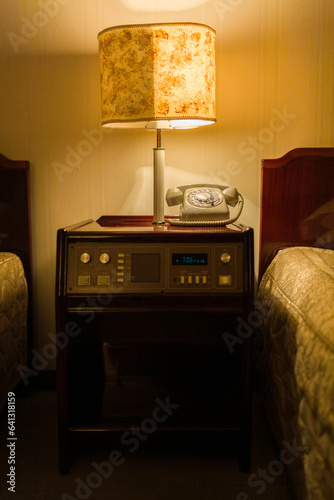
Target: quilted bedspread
x=296, y=353
x=13, y=322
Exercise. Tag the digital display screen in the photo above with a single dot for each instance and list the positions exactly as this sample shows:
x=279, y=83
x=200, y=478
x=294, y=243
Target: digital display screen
x=189, y=259
x=145, y=267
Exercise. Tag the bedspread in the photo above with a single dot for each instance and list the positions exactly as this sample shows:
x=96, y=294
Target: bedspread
x=13, y=322
x=296, y=338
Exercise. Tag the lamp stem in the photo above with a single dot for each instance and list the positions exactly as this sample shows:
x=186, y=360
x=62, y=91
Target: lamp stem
x=159, y=138
x=158, y=181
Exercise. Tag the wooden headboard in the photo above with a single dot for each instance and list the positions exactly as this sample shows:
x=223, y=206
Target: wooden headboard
x=15, y=219
x=297, y=202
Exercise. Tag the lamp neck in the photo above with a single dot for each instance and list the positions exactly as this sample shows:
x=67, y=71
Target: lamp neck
x=158, y=138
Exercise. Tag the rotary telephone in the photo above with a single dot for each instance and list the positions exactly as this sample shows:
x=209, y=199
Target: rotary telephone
x=204, y=205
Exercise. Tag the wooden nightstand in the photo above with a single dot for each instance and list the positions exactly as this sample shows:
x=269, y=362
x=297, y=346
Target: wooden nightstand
x=151, y=331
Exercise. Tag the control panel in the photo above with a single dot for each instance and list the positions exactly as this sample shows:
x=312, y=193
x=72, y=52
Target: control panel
x=107, y=267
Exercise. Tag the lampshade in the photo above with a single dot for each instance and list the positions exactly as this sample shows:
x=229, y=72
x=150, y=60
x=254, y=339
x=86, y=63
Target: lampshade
x=157, y=72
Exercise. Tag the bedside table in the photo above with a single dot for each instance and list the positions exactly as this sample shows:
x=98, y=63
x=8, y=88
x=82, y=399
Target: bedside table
x=150, y=323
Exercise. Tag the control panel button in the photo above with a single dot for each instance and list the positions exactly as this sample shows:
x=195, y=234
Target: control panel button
x=103, y=280
x=197, y=279
x=190, y=280
x=225, y=279
x=204, y=280
x=104, y=258
x=225, y=257
x=83, y=280
x=85, y=258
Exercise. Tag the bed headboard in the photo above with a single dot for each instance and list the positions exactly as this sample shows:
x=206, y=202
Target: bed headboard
x=15, y=223
x=297, y=202
x=15, y=220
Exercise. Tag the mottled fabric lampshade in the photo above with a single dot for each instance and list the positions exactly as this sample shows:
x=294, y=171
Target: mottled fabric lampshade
x=158, y=72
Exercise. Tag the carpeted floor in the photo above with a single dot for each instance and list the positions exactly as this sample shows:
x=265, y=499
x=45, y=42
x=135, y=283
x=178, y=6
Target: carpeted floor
x=160, y=469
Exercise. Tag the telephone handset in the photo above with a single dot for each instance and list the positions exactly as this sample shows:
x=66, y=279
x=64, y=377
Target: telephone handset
x=204, y=205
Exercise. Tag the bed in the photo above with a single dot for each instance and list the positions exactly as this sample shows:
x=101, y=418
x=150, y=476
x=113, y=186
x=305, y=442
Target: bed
x=15, y=274
x=294, y=347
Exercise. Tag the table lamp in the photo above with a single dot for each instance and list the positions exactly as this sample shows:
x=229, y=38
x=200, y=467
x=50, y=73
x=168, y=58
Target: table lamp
x=161, y=77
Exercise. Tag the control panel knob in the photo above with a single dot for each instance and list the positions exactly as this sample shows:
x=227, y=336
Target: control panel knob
x=85, y=258
x=104, y=258
x=225, y=257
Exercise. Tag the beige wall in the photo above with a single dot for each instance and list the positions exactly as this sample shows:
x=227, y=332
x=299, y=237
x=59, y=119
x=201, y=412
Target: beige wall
x=275, y=81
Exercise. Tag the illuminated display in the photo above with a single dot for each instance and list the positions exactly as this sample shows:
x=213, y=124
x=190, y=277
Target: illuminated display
x=189, y=259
